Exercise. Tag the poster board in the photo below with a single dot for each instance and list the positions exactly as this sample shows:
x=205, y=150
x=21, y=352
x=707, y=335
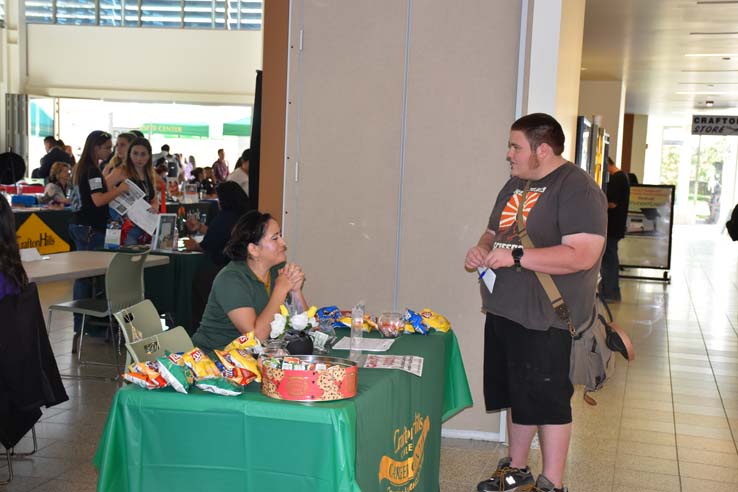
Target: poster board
x=647, y=241
x=164, y=239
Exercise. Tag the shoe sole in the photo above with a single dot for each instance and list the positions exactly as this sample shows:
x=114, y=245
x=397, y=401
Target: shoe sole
x=626, y=340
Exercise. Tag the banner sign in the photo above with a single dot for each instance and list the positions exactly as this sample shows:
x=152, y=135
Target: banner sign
x=714, y=125
x=34, y=233
x=647, y=242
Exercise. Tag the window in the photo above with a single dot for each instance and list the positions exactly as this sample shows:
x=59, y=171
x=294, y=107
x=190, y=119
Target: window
x=190, y=14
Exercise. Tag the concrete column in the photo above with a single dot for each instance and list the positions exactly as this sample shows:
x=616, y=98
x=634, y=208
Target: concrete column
x=607, y=99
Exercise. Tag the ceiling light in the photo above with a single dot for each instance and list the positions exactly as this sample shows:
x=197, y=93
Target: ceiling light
x=705, y=70
x=721, y=33
x=708, y=2
x=709, y=103
x=708, y=55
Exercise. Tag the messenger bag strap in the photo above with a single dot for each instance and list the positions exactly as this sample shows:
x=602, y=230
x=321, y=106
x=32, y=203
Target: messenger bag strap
x=557, y=300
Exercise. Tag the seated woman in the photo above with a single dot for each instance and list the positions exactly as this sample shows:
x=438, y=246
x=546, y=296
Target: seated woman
x=55, y=192
x=247, y=293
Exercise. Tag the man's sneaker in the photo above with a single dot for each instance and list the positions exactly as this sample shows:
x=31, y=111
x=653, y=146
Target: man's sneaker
x=506, y=478
x=543, y=484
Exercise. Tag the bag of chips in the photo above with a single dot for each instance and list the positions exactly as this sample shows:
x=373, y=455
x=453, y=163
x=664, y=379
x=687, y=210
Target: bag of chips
x=175, y=372
x=219, y=386
x=433, y=320
x=242, y=342
x=201, y=365
x=145, y=374
x=414, y=323
x=241, y=365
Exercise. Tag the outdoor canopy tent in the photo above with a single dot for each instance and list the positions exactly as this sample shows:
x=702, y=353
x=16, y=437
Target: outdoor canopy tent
x=178, y=130
x=238, y=128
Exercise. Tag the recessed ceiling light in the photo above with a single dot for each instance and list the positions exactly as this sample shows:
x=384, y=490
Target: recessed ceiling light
x=716, y=33
x=709, y=103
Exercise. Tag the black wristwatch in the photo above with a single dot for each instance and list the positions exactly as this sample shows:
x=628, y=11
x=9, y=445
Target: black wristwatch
x=517, y=254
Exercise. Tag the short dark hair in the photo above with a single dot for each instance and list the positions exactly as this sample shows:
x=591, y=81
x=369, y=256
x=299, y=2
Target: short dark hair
x=198, y=171
x=246, y=155
x=540, y=128
x=220, y=150
x=232, y=197
x=249, y=229
x=165, y=147
x=50, y=140
x=138, y=133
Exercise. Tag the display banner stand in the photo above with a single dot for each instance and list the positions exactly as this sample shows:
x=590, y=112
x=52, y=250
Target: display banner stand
x=647, y=241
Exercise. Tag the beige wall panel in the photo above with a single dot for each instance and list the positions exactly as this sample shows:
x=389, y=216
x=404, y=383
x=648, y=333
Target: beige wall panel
x=167, y=62
x=341, y=216
x=605, y=98
x=461, y=102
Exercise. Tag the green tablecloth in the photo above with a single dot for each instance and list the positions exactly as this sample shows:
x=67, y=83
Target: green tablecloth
x=169, y=287
x=386, y=438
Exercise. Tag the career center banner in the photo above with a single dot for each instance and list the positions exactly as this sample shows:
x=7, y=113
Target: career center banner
x=647, y=242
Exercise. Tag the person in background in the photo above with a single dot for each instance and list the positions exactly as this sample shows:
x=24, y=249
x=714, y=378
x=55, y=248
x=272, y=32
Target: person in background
x=632, y=179
x=240, y=174
x=527, y=346
x=140, y=170
x=220, y=168
x=189, y=167
x=618, y=199
x=121, y=150
x=70, y=153
x=54, y=153
x=94, y=193
x=208, y=186
x=56, y=190
x=247, y=292
x=13, y=277
x=161, y=186
x=138, y=133
x=233, y=204
x=161, y=155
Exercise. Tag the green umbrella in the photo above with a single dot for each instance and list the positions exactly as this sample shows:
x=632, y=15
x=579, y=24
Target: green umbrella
x=178, y=130
x=238, y=128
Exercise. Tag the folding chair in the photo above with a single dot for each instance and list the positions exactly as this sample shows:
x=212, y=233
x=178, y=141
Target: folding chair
x=137, y=322
x=10, y=452
x=124, y=287
x=153, y=347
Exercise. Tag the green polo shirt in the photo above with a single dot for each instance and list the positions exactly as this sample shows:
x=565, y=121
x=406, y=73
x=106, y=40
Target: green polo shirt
x=236, y=286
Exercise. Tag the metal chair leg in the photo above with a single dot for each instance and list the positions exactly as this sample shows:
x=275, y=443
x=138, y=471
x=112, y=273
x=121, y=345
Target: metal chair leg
x=81, y=336
x=10, y=468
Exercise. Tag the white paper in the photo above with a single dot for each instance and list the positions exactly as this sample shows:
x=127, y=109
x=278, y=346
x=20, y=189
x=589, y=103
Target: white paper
x=30, y=254
x=140, y=215
x=368, y=344
x=487, y=275
x=408, y=363
x=125, y=201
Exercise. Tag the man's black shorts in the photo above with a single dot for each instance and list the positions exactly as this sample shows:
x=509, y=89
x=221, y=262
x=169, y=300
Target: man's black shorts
x=527, y=371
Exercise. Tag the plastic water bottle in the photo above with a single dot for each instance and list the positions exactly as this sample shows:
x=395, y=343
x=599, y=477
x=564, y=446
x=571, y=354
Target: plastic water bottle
x=357, y=330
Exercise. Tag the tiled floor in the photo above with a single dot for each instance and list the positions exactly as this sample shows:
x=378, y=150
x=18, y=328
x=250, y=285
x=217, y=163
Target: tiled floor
x=666, y=422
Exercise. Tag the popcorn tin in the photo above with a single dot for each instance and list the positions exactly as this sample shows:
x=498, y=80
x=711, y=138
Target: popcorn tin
x=313, y=378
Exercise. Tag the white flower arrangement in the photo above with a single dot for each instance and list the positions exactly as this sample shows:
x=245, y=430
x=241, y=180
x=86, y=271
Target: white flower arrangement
x=283, y=321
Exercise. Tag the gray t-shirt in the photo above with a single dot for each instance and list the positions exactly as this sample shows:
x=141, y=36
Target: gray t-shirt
x=566, y=201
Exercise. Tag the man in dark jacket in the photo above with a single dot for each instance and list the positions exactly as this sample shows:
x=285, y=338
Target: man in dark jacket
x=618, y=198
x=54, y=153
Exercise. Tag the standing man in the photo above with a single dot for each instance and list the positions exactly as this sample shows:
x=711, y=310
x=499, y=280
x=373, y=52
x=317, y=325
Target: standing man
x=54, y=153
x=220, y=168
x=618, y=199
x=526, y=345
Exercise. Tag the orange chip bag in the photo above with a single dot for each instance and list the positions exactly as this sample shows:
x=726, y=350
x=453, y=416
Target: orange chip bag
x=145, y=374
x=243, y=342
x=201, y=365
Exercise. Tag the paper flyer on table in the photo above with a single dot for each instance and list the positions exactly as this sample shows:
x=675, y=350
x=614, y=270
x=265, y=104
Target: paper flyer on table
x=140, y=215
x=408, y=363
x=367, y=344
x=125, y=200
